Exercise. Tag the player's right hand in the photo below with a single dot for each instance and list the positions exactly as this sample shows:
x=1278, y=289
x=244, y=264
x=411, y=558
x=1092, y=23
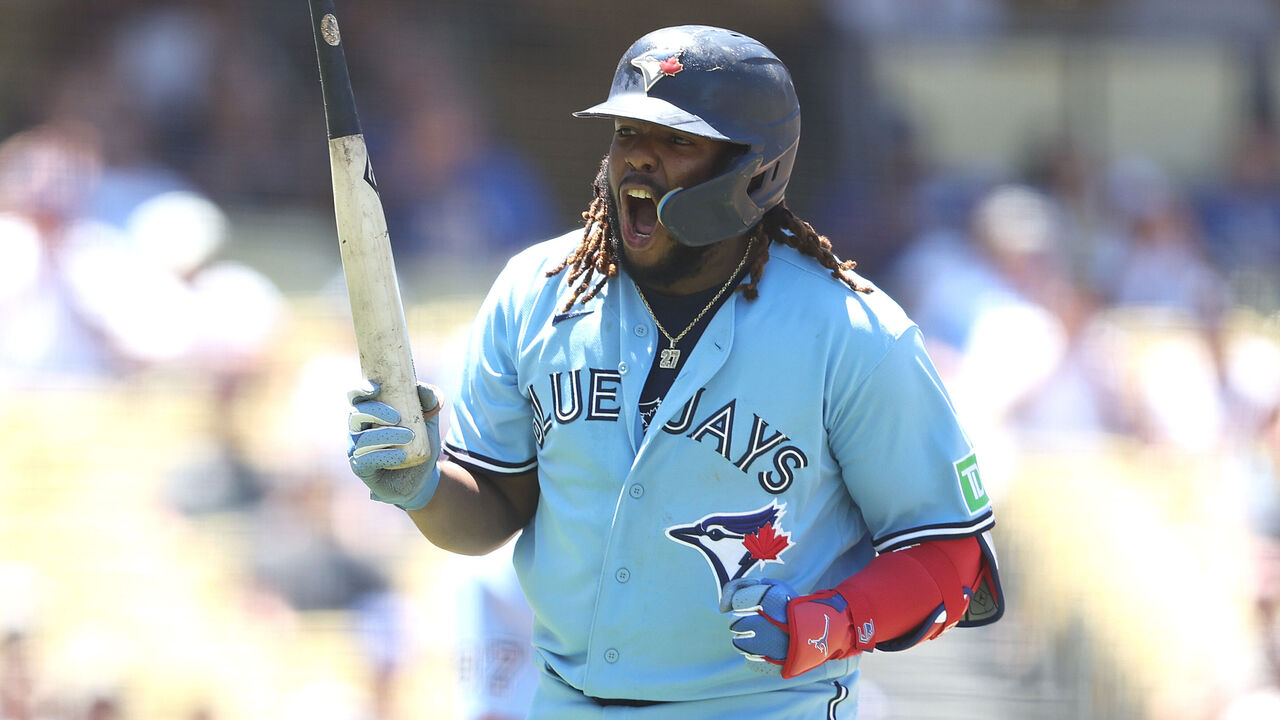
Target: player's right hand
x=377, y=444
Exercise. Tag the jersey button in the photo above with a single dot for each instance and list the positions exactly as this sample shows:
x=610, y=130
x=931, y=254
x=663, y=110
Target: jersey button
x=622, y=575
x=622, y=368
x=641, y=331
x=611, y=655
x=637, y=490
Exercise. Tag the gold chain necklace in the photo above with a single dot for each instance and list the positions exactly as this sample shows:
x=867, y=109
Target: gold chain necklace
x=670, y=356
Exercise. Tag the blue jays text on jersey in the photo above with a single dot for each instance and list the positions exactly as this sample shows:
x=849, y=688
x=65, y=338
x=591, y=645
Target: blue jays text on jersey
x=806, y=431
x=601, y=401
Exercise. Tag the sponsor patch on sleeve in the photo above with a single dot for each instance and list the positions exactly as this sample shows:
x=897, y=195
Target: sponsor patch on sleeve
x=975, y=495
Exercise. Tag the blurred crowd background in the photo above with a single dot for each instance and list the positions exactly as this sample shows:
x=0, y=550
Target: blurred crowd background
x=1078, y=201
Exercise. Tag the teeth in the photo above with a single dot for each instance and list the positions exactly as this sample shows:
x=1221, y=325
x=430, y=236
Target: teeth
x=639, y=193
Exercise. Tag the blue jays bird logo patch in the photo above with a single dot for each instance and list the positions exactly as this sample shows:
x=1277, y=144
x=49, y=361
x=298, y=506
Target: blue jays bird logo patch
x=654, y=68
x=736, y=543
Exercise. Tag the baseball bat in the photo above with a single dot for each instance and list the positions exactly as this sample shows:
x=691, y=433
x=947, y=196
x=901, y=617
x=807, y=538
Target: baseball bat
x=373, y=289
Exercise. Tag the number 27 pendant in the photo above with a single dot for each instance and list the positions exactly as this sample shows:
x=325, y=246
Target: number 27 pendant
x=669, y=358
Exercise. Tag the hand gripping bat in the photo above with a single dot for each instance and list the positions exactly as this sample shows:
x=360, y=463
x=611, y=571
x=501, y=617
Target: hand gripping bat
x=372, y=286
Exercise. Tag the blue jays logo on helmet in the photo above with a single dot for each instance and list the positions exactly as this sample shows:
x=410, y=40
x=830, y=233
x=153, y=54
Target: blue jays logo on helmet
x=736, y=543
x=655, y=66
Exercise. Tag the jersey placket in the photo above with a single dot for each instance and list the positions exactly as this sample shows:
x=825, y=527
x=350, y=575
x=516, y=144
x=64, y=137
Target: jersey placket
x=621, y=572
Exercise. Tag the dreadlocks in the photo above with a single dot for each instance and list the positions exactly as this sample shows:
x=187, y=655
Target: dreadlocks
x=594, y=255
x=782, y=225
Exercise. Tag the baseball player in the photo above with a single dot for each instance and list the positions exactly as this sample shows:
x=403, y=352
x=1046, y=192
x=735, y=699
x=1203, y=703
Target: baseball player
x=733, y=462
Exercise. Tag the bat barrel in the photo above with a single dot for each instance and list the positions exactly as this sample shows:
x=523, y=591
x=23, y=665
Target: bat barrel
x=335, y=80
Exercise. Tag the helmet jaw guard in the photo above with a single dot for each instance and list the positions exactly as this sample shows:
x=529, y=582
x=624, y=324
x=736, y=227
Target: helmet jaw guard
x=725, y=206
x=721, y=85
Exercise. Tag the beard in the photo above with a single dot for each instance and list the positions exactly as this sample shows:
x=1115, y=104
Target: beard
x=679, y=263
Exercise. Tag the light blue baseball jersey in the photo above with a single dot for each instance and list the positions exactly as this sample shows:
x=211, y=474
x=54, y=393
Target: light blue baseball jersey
x=807, y=431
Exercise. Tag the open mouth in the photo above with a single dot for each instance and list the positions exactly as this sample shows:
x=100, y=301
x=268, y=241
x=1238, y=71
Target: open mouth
x=639, y=214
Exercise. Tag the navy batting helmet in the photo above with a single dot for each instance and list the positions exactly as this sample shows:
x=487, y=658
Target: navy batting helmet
x=722, y=85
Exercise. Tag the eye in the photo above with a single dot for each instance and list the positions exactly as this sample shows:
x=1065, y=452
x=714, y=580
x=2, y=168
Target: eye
x=681, y=140
x=624, y=131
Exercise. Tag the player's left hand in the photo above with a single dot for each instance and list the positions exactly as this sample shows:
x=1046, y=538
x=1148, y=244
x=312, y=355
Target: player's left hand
x=760, y=632
x=787, y=634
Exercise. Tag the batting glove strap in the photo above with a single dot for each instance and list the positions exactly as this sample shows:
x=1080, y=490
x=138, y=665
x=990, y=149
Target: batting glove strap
x=420, y=498
x=826, y=626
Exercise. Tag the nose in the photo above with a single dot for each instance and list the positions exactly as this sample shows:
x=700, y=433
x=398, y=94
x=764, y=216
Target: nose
x=640, y=154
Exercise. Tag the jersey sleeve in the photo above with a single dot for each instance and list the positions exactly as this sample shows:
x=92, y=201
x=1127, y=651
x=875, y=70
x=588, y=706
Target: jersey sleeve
x=906, y=461
x=491, y=421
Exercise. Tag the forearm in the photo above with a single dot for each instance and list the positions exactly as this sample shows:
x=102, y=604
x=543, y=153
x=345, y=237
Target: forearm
x=473, y=513
x=897, y=600
x=901, y=590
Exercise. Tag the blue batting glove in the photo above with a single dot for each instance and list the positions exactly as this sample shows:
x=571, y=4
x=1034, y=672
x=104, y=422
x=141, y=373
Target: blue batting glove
x=760, y=632
x=377, y=443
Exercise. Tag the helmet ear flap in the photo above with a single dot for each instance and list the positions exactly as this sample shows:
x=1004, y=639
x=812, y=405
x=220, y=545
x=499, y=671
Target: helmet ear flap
x=723, y=203
x=770, y=185
x=731, y=203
